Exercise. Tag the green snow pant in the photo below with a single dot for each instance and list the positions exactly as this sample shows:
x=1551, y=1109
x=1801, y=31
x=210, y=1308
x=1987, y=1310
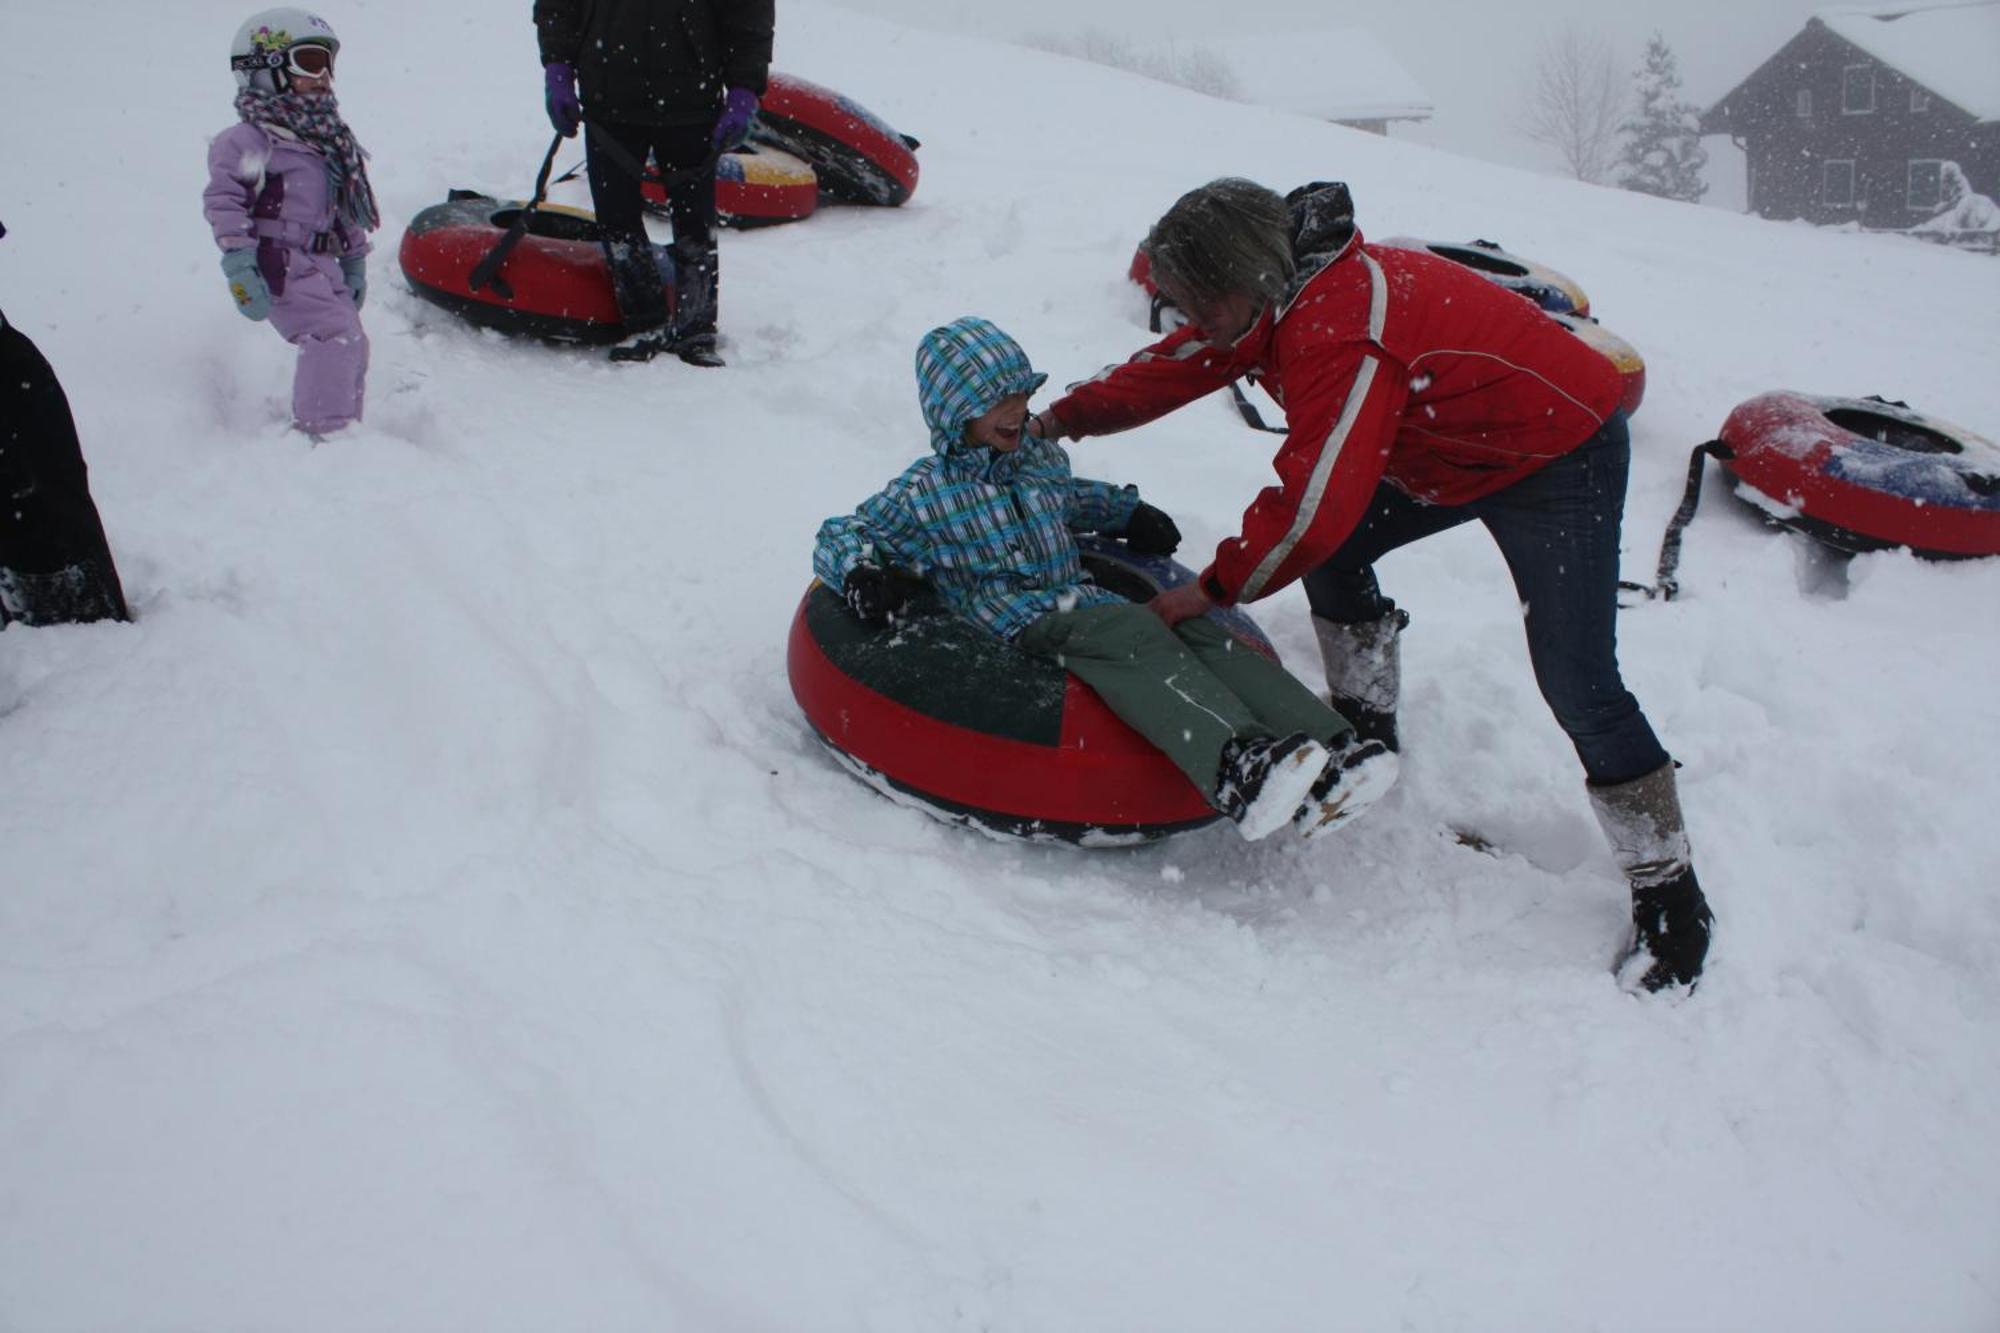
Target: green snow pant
x=1189, y=690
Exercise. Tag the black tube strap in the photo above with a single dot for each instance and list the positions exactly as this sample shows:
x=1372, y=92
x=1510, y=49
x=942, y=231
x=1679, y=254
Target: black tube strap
x=487, y=271
x=1665, y=587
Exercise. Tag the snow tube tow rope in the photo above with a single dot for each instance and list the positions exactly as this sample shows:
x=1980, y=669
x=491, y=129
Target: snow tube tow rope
x=1867, y=474
x=557, y=282
x=486, y=273
x=1666, y=585
x=939, y=714
x=1550, y=290
x=857, y=157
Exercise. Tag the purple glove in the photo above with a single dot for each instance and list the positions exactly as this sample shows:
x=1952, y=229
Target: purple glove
x=559, y=96
x=732, y=127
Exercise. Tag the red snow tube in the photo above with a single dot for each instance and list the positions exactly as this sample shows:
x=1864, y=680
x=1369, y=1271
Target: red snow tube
x=1623, y=356
x=755, y=186
x=940, y=714
x=560, y=282
x=1865, y=474
x=1550, y=290
x=1141, y=271
x=858, y=158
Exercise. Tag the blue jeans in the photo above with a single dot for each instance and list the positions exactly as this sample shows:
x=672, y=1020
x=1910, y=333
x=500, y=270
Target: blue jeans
x=1558, y=531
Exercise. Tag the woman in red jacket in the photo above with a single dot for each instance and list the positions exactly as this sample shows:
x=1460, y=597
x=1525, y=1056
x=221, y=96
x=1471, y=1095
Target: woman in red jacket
x=1418, y=396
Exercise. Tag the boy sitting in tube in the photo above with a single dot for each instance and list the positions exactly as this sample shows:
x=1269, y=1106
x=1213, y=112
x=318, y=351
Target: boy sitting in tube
x=988, y=520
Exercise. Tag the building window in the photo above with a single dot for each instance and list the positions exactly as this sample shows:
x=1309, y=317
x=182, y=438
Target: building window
x=1857, y=90
x=1920, y=101
x=1805, y=104
x=1836, y=182
x=1926, y=193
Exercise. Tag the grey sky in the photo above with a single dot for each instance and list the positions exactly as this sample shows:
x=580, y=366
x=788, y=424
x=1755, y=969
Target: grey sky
x=1474, y=57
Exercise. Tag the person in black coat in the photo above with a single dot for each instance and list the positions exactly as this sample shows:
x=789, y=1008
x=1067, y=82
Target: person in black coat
x=679, y=79
x=55, y=565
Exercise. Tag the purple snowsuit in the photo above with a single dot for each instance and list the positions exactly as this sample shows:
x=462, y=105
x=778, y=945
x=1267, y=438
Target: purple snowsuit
x=269, y=189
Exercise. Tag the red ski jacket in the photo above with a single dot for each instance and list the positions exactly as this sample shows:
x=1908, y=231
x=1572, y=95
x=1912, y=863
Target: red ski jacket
x=1390, y=364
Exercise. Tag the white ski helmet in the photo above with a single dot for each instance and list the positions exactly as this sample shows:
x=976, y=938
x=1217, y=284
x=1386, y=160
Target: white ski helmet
x=261, y=53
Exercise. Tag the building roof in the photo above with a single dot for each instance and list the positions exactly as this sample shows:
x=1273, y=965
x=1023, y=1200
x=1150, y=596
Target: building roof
x=1953, y=50
x=1329, y=73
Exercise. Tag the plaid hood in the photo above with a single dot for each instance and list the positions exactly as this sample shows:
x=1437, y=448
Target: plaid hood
x=963, y=370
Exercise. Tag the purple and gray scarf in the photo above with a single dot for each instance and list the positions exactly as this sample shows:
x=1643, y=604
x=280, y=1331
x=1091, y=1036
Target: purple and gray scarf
x=316, y=121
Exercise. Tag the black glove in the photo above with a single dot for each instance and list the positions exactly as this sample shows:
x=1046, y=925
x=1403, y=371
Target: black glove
x=1150, y=532
x=877, y=595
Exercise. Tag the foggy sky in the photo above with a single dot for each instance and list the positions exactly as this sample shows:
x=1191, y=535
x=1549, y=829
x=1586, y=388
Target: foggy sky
x=1474, y=57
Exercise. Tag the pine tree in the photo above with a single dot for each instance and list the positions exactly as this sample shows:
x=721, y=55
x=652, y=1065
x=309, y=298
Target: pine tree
x=1663, y=154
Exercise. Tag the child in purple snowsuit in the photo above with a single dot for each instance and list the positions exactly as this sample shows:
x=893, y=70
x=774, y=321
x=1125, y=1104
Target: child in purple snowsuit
x=291, y=207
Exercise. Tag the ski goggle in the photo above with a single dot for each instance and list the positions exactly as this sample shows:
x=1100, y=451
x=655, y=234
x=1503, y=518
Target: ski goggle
x=307, y=58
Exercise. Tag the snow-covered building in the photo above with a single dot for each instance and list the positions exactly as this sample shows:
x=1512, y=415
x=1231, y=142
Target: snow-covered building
x=1344, y=75
x=1856, y=118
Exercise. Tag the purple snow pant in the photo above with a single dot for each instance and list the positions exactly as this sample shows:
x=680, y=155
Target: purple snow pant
x=312, y=310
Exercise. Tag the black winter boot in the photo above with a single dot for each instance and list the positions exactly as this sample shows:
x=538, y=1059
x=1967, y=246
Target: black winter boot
x=1671, y=922
x=696, y=289
x=1670, y=930
x=638, y=284
x=86, y=591
x=1364, y=672
x=639, y=350
x=699, y=350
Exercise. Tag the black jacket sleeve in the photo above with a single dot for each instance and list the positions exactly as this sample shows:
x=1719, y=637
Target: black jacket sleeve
x=745, y=27
x=559, y=29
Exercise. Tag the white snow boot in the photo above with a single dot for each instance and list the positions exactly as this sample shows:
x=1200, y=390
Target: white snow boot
x=1261, y=783
x=1359, y=774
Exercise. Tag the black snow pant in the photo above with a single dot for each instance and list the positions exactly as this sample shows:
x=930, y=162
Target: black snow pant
x=54, y=563
x=614, y=192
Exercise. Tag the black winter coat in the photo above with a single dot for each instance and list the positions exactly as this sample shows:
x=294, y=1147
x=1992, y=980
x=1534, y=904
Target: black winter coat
x=54, y=563
x=657, y=62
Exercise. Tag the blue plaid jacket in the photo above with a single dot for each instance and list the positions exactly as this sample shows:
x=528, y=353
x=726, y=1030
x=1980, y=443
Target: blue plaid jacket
x=991, y=531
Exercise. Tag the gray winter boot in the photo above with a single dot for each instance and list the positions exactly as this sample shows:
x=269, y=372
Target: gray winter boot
x=1671, y=922
x=1364, y=672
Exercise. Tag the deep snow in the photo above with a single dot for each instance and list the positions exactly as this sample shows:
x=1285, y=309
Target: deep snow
x=432, y=913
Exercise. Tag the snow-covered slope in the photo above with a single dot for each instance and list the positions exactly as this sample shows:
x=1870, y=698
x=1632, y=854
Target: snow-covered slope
x=432, y=913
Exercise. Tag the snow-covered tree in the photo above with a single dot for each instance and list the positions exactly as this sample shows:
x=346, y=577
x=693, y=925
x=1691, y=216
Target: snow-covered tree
x=1574, y=102
x=1961, y=208
x=1663, y=154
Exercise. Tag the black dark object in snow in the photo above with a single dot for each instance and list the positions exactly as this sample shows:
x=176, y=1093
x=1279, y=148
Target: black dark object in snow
x=55, y=565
